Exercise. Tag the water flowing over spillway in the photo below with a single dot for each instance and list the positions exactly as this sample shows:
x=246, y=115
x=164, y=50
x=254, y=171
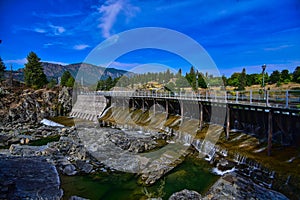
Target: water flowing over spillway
x=125, y=146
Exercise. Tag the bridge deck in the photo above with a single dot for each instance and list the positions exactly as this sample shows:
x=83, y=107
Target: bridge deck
x=289, y=100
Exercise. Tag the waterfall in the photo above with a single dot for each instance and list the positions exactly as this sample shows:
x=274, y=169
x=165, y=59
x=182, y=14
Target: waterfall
x=288, y=180
x=240, y=159
x=187, y=140
x=205, y=148
x=272, y=175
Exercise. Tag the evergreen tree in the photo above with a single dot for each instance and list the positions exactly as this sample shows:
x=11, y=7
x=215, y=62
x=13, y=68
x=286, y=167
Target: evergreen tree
x=67, y=79
x=2, y=69
x=201, y=81
x=224, y=79
x=106, y=84
x=182, y=82
x=191, y=78
x=296, y=75
x=179, y=73
x=70, y=82
x=52, y=83
x=285, y=76
x=34, y=73
x=275, y=77
x=234, y=79
x=242, y=80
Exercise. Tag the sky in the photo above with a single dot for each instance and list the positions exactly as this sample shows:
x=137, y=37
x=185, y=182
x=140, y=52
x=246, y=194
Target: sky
x=236, y=34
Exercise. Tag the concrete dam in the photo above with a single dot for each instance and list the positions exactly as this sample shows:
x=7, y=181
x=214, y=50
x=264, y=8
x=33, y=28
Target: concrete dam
x=267, y=120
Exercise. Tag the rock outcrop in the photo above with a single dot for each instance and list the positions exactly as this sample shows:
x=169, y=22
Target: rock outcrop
x=19, y=105
x=28, y=178
x=186, y=194
x=234, y=186
x=65, y=101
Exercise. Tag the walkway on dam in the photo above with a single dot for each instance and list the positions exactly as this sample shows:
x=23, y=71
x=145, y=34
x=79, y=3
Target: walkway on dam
x=289, y=99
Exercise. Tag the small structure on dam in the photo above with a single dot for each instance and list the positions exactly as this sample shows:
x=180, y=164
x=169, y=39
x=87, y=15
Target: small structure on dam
x=88, y=107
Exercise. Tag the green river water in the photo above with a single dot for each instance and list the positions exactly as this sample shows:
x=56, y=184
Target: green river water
x=193, y=174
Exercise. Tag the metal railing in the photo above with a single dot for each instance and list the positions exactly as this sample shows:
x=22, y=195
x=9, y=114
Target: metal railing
x=269, y=98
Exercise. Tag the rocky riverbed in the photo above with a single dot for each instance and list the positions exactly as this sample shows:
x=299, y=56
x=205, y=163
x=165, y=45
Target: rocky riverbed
x=77, y=152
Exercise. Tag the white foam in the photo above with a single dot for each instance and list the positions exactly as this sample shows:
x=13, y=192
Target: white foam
x=221, y=173
x=51, y=123
x=259, y=150
x=291, y=160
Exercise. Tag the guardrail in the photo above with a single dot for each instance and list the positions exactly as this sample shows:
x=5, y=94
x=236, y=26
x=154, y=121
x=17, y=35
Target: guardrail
x=269, y=98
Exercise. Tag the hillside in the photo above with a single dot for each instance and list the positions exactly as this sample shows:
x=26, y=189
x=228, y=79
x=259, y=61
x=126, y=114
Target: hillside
x=91, y=72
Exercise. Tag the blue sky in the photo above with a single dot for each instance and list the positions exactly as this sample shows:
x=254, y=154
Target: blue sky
x=235, y=33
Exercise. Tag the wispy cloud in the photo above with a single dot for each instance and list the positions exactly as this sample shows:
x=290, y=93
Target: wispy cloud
x=57, y=30
x=40, y=30
x=55, y=62
x=56, y=15
x=48, y=29
x=277, y=48
x=21, y=61
x=110, y=10
x=81, y=46
x=109, y=14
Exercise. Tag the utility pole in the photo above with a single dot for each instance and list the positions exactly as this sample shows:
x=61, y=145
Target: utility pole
x=197, y=76
x=263, y=78
x=263, y=73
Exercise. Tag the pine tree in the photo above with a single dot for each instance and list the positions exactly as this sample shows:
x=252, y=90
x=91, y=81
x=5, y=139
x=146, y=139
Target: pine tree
x=191, y=77
x=179, y=73
x=242, y=80
x=64, y=78
x=224, y=79
x=2, y=69
x=285, y=76
x=201, y=81
x=275, y=77
x=296, y=75
x=34, y=73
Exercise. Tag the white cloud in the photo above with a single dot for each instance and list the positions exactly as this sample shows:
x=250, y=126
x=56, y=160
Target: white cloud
x=40, y=30
x=81, y=46
x=21, y=61
x=277, y=48
x=110, y=11
x=56, y=15
x=109, y=14
x=55, y=62
x=57, y=30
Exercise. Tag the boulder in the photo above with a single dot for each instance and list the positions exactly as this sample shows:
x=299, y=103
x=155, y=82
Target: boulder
x=70, y=170
x=83, y=166
x=186, y=194
x=28, y=178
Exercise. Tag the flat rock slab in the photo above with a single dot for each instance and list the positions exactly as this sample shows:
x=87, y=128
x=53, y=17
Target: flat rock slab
x=28, y=178
x=234, y=186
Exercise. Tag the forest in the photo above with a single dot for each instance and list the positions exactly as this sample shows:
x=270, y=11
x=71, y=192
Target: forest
x=195, y=80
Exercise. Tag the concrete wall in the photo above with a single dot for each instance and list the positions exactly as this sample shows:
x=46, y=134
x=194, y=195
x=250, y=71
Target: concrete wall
x=88, y=107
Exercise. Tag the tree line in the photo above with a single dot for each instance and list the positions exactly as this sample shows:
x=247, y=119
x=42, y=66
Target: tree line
x=34, y=77
x=195, y=79
x=241, y=80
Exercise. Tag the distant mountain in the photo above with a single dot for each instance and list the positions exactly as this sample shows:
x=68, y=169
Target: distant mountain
x=89, y=73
